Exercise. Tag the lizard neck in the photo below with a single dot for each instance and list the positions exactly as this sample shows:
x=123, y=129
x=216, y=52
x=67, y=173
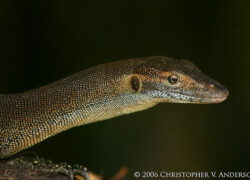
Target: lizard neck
x=85, y=97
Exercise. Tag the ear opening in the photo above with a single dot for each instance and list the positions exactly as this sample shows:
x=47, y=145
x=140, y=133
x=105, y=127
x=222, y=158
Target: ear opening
x=135, y=83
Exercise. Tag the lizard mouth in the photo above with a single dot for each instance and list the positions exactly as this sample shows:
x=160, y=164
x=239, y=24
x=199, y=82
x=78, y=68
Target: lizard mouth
x=218, y=99
x=207, y=99
x=203, y=99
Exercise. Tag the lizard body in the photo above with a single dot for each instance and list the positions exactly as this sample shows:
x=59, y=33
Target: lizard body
x=100, y=93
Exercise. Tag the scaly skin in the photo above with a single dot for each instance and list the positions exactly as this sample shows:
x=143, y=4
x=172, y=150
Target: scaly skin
x=99, y=93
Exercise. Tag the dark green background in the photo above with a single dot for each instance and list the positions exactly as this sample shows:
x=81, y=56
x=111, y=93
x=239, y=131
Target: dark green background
x=43, y=41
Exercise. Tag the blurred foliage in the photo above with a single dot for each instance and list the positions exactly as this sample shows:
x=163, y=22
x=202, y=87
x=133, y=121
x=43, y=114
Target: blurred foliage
x=42, y=41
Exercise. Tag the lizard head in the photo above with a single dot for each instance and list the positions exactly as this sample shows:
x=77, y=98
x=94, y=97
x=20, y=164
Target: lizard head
x=170, y=80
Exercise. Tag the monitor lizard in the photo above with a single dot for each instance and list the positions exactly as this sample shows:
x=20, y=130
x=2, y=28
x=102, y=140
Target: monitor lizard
x=98, y=93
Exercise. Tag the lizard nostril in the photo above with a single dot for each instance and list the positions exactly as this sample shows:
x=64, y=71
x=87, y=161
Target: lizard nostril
x=226, y=92
x=222, y=93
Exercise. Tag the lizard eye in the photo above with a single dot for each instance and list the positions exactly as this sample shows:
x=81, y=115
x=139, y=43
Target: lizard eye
x=173, y=79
